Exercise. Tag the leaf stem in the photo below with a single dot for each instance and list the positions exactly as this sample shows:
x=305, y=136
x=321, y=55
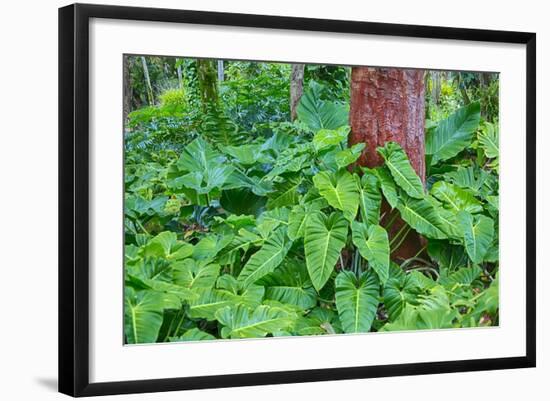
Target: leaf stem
x=401, y=240
x=392, y=220
x=141, y=227
x=179, y=323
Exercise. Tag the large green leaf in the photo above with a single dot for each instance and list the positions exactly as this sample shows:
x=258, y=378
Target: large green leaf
x=192, y=274
x=453, y=134
x=242, y=201
x=298, y=217
x=340, y=190
x=478, y=234
x=400, y=290
x=372, y=242
x=297, y=222
x=170, y=291
x=488, y=302
x=204, y=166
x=142, y=315
x=208, y=303
x=324, y=239
x=465, y=276
x=450, y=224
x=245, y=154
x=208, y=247
x=286, y=193
x=398, y=164
x=387, y=185
x=421, y=215
x=239, y=180
x=328, y=138
x=271, y=254
x=244, y=241
x=370, y=198
x=199, y=156
x=447, y=255
x=356, y=300
x=489, y=142
x=270, y=220
x=317, y=113
x=470, y=178
x=349, y=155
x=250, y=296
x=290, y=284
x=318, y=321
x=166, y=245
x=290, y=161
x=432, y=312
x=488, y=139
x=242, y=322
x=455, y=198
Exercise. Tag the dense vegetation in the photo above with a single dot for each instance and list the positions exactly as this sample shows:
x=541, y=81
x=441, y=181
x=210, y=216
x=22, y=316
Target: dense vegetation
x=242, y=223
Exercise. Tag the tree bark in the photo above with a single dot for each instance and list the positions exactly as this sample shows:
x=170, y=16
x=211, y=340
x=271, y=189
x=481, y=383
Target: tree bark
x=387, y=104
x=436, y=86
x=296, y=88
x=179, y=73
x=207, y=74
x=220, y=71
x=127, y=104
x=148, y=86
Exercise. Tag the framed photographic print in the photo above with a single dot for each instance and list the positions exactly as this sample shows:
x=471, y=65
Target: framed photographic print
x=276, y=199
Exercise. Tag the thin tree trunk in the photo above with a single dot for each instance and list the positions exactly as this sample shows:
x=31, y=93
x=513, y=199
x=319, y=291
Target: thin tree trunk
x=180, y=74
x=436, y=86
x=149, y=88
x=296, y=87
x=463, y=91
x=207, y=74
x=387, y=104
x=127, y=85
x=220, y=71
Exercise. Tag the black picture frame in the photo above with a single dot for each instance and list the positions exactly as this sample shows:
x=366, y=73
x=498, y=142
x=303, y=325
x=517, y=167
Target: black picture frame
x=74, y=198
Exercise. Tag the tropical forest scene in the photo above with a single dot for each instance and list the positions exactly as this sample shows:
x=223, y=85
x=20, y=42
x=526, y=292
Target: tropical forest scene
x=268, y=199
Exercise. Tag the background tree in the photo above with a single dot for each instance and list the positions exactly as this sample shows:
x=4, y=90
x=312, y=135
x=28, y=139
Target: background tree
x=296, y=87
x=127, y=96
x=150, y=96
x=387, y=104
x=208, y=82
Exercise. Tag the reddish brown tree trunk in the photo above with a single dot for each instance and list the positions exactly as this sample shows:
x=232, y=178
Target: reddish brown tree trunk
x=387, y=104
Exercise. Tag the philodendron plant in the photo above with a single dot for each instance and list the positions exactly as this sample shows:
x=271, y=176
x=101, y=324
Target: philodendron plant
x=284, y=236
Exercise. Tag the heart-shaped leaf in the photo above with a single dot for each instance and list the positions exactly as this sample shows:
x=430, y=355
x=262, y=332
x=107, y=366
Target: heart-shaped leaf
x=478, y=234
x=340, y=191
x=373, y=245
x=325, y=236
x=357, y=300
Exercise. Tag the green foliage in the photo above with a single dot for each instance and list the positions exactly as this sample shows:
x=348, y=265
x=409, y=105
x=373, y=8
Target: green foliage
x=266, y=259
x=324, y=238
x=374, y=246
x=453, y=134
x=241, y=322
x=356, y=300
x=401, y=170
x=319, y=114
x=240, y=223
x=340, y=191
x=174, y=98
x=478, y=234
